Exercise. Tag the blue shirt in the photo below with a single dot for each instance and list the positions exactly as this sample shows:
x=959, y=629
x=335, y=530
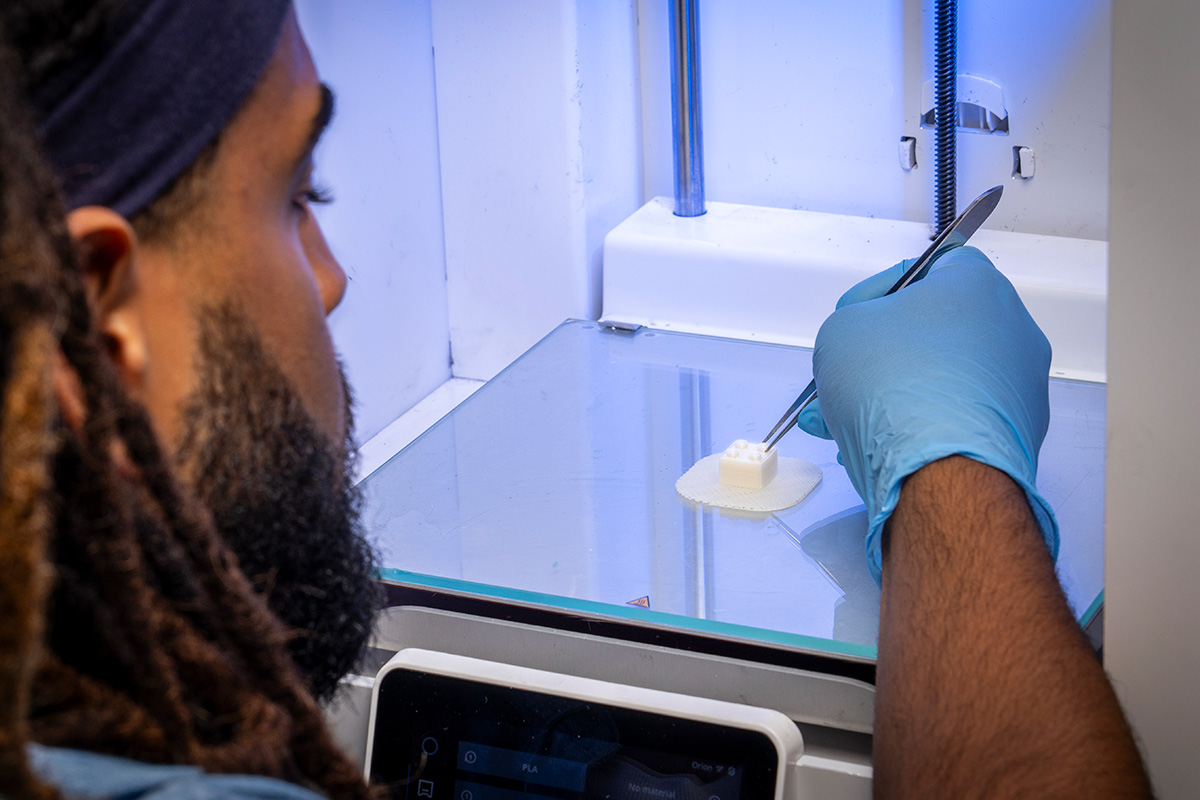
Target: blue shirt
x=77, y=773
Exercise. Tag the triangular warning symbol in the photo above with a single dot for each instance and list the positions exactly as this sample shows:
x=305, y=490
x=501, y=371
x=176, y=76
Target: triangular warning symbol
x=643, y=602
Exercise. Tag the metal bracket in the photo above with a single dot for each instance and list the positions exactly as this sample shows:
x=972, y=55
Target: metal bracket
x=616, y=326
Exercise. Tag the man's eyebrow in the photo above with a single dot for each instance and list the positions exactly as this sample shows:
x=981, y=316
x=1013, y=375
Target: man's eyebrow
x=322, y=119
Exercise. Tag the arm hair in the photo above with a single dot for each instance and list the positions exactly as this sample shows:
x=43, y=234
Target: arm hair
x=986, y=686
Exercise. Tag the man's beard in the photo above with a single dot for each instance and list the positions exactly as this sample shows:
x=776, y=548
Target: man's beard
x=282, y=496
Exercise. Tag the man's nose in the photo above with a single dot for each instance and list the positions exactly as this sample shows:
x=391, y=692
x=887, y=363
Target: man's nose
x=331, y=283
x=330, y=277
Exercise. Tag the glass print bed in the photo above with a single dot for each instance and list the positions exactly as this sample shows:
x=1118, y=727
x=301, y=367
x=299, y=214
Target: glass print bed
x=553, y=486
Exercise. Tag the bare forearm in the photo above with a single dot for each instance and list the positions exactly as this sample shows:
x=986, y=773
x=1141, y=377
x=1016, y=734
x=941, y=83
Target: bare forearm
x=987, y=687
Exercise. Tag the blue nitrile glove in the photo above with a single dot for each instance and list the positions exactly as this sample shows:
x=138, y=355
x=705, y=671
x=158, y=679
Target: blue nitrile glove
x=951, y=365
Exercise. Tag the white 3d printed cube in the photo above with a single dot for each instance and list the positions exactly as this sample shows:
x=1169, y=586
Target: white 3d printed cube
x=750, y=466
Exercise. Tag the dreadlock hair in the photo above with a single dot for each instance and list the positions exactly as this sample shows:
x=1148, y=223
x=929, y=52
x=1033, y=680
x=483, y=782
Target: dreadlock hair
x=126, y=626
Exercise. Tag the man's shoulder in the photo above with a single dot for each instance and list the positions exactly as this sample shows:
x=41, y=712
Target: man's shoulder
x=79, y=773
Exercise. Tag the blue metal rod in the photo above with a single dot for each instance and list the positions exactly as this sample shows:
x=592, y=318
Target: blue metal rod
x=685, y=109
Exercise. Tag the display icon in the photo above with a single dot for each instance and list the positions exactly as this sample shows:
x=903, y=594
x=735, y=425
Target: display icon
x=470, y=757
x=424, y=788
x=467, y=794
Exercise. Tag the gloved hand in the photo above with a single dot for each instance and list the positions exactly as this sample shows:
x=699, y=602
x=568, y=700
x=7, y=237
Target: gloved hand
x=951, y=365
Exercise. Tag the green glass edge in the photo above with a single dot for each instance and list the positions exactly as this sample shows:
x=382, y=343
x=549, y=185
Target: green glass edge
x=1092, y=610
x=552, y=602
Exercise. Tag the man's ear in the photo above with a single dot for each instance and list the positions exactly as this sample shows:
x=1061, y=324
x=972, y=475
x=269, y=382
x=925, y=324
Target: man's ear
x=107, y=249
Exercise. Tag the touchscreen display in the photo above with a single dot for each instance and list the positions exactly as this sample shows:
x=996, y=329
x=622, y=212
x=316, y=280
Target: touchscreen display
x=454, y=739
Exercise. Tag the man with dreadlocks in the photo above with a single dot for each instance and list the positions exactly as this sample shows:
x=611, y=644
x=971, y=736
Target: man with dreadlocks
x=173, y=454
x=173, y=464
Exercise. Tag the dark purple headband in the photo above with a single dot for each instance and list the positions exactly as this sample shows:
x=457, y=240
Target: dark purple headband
x=157, y=98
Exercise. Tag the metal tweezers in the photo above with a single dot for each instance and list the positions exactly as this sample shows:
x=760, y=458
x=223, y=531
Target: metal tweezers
x=969, y=222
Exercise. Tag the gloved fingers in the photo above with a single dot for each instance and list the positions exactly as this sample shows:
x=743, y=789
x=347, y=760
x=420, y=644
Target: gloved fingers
x=960, y=255
x=953, y=241
x=875, y=286
x=878, y=284
x=811, y=421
